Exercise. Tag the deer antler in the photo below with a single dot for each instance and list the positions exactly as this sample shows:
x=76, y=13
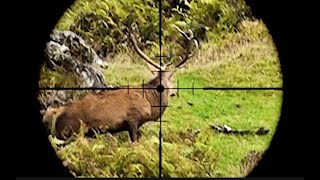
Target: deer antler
x=189, y=39
x=140, y=52
x=183, y=61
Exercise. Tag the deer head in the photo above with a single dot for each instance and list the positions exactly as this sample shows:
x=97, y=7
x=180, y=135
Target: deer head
x=162, y=75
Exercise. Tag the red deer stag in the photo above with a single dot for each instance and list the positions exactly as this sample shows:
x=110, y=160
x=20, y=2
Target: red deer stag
x=119, y=110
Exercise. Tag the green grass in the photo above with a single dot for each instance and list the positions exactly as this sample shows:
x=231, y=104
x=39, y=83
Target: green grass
x=246, y=63
x=239, y=109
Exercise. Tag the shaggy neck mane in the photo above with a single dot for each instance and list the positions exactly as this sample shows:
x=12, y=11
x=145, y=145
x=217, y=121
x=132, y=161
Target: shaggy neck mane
x=155, y=94
x=155, y=82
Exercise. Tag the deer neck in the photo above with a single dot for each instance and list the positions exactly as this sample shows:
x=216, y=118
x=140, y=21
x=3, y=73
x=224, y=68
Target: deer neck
x=155, y=98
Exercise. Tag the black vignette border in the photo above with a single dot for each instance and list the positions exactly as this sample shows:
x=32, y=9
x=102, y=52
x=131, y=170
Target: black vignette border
x=284, y=156
x=36, y=158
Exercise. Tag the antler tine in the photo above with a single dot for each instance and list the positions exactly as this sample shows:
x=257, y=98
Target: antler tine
x=168, y=64
x=140, y=52
x=191, y=34
x=188, y=55
x=184, y=34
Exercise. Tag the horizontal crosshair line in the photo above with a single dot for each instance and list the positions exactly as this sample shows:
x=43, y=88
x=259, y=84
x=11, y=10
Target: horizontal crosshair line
x=242, y=88
x=161, y=121
x=230, y=88
x=125, y=88
x=160, y=106
x=165, y=56
x=93, y=88
x=185, y=88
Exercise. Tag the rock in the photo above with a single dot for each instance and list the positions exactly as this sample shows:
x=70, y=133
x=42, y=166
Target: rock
x=69, y=51
x=190, y=103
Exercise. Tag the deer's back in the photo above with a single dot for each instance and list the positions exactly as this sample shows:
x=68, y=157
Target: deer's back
x=109, y=109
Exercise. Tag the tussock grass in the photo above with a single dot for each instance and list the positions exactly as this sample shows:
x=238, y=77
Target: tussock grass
x=244, y=59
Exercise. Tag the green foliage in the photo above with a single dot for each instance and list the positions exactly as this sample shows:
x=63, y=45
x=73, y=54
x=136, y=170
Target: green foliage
x=57, y=78
x=108, y=156
x=101, y=23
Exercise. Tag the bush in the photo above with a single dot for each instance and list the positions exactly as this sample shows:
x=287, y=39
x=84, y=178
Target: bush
x=101, y=23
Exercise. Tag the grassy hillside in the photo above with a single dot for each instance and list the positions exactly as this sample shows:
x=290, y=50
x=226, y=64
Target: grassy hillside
x=190, y=147
x=235, y=52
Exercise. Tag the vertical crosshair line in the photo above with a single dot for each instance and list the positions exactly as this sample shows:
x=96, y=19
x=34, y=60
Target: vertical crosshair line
x=128, y=87
x=160, y=131
x=178, y=87
x=142, y=88
x=192, y=87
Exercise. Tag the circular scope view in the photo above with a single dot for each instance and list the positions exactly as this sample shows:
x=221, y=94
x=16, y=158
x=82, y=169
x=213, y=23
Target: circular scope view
x=171, y=88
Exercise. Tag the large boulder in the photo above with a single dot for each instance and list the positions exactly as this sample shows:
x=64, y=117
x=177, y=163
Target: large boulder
x=69, y=51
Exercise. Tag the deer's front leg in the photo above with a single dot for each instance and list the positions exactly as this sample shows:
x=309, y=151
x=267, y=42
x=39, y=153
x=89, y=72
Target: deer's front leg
x=133, y=131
